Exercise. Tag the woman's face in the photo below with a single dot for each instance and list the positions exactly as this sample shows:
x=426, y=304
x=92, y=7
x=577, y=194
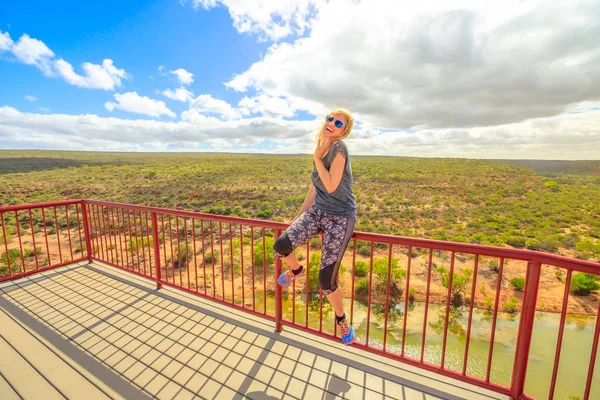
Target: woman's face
x=332, y=131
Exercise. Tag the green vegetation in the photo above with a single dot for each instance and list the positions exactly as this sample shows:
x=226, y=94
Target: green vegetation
x=584, y=284
x=512, y=305
x=138, y=244
x=361, y=268
x=518, y=283
x=362, y=287
x=459, y=283
x=183, y=256
x=556, y=209
x=259, y=252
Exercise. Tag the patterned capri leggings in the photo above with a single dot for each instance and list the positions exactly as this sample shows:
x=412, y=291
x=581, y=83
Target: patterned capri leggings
x=337, y=233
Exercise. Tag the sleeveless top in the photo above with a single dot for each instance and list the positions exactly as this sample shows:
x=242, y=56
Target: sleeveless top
x=341, y=201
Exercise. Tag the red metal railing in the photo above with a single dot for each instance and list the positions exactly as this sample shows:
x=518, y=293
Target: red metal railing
x=207, y=255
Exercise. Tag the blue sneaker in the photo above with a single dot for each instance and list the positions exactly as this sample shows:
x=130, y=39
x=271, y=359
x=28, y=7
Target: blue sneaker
x=288, y=276
x=347, y=332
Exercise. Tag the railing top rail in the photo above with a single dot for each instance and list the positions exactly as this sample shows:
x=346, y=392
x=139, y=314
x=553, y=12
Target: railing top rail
x=20, y=207
x=192, y=214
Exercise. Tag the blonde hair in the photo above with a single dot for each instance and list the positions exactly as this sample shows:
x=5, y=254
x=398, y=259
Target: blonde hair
x=347, y=127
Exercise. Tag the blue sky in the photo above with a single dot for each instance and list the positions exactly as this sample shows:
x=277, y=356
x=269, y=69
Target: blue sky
x=482, y=79
x=139, y=36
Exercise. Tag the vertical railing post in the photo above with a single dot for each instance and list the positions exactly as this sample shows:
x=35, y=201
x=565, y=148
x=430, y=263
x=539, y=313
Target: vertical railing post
x=89, y=247
x=278, y=300
x=156, y=248
x=532, y=282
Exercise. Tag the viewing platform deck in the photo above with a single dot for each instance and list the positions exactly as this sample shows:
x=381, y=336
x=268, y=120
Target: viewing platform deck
x=95, y=332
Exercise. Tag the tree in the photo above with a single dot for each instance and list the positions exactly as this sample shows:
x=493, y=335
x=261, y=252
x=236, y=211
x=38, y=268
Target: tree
x=459, y=284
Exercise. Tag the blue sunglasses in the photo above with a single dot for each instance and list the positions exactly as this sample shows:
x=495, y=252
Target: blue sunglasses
x=338, y=123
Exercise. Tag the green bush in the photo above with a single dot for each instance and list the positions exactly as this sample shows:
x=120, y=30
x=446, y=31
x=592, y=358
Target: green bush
x=516, y=241
x=533, y=244
x=361, y=268
x=315, y=243
x=13, y=267
x=584, y=284
x=260, y=254
x=518, y=283
x=183, y=256
x=512, y=305
x=362, y=287
x=14, y=255
x=208, y=257
x=459, y=283
x=381, y=266
x=365, y=251
x=140, y=243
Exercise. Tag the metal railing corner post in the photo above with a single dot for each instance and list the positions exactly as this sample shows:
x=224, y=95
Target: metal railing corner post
x=89, y=247
x=156, y=249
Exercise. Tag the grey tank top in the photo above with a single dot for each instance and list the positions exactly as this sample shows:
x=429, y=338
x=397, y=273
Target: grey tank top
x=341, y=201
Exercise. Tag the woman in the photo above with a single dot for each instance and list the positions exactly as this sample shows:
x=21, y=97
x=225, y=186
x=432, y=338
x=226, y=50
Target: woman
x=329, y=207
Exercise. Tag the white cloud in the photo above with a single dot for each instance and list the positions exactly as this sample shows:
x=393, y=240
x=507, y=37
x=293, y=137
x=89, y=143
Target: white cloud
x=30, y=98
x=568, y=136
x=5, y=41
x=268, y=106
x=90, y=132
x=205, y=103
x=43, y=109
x=35, y=52
x=184, y=77
x=180, y=94
x=133, y=102
x=398, y=65
x=272, y=19
x=105, y=76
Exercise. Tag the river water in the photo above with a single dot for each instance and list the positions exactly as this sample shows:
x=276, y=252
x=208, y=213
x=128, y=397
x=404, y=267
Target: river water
x=574, y=358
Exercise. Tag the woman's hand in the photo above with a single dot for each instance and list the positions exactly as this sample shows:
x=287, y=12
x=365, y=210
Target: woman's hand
x=322, y=148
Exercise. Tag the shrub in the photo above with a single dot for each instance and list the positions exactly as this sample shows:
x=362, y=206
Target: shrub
x=140, y=243
x=8, y=237
x=489, y=302
x=533, y=244
x=362, y=287
x=516, y=241
x=13, y=267
x=381, y=266
x=518, y=283
x=459, y=283
x=183, y=256
x=512, y=305
x=259, y=252
x=361, y=268
x=364, y=251
x=14, y=255
x=208, y=257
x=584, y=284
